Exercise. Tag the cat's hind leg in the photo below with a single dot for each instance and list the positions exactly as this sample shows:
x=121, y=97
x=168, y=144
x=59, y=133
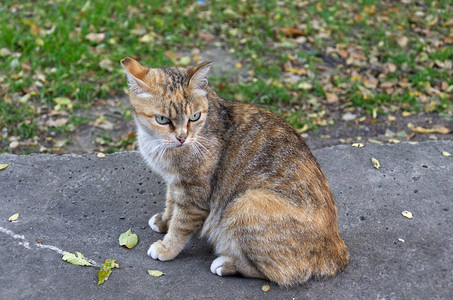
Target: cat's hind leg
x=225, y=266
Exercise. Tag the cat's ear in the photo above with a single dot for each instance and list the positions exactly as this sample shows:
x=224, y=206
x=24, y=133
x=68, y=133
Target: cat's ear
x=135, y=74
x=197, y=75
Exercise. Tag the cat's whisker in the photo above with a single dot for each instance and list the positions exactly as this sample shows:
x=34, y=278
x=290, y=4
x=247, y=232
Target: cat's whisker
x=197, y=150
x=199, y=143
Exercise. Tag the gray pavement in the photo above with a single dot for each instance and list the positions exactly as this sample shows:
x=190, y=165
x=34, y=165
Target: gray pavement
x=83, y=203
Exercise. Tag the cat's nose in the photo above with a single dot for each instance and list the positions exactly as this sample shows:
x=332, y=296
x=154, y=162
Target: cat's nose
x=181, y=138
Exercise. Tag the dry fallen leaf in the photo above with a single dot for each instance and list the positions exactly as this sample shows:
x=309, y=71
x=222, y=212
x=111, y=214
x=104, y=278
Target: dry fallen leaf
x=376, y=163
x=266, y=287
x=95, y=37
x=13, y=217
x=149, y=37
x=305, y=86
x=155, y=273
x=434, y=129
x=407, y=214
x=128, y=239
x=403, y=41
x=100, y=155
x=106, y=269
x=106, y=64
x=331, y=98
x=79, y=260
x=304, y=128
x=358, y=145
x=406, y=114
x=206, y=36
x=447, y=154
x=291, y=32
x=184, y=61
x=3, y=166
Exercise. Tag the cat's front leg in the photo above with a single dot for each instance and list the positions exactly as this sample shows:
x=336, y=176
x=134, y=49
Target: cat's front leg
x=160, y=222
x=184, y=222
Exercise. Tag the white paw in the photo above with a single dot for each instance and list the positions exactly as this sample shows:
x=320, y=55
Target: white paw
x=152, y=251
x=153, y=225
x=217, y=264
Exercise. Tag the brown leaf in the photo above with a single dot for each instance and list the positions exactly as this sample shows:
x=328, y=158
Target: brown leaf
x=403, y=41
x=57, y=122
x=206, y=36
x=331, y=98
x=370, y=82
x=449, y=39
x=173, y=56
x=390, y=67
x=291, y=32
x=343, y=53
x=387, y=85
x=435, y=129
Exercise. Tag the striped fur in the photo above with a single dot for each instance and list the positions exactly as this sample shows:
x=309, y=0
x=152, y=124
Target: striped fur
x=243, y=176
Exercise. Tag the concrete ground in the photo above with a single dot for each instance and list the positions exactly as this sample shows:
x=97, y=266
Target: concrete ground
x=83, y=203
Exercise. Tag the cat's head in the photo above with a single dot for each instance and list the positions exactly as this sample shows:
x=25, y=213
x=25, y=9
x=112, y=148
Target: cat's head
x=170, y=104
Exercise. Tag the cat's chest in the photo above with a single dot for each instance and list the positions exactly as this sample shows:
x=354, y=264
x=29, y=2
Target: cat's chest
x=168, y=164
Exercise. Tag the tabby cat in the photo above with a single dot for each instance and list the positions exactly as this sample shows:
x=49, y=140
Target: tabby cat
x=237, y=172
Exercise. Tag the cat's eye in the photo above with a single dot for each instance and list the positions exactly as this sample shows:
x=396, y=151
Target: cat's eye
x=195, y=117
x=162, y=120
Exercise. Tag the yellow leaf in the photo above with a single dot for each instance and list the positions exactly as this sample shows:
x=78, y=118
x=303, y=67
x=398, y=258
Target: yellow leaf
x=147, y=38
x=106, y=269
x=394, y=141
x=356, y=77
x=319, y=6
x=407, y=214
x=376, y=163
x=266, y=287
x=391, y=118
x=155, y=273
x=447, y=154
x=238, y=65
x=79, y=260
x=184, y=61
x=434, y=129
x=413, y=143
x=24, y=99
x=406, y=114
x=358, y=145
x=128, y=239
x=100, y=155
x=39, y=41
x=304, y=128
x=375, y=141
x=13, y=217
x=3, y=166
x=305, y=86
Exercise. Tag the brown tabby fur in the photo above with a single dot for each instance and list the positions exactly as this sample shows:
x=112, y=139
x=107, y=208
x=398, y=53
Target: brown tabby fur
x=244, y=177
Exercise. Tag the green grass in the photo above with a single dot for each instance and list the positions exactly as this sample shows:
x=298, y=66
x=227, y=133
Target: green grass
x=46, y=54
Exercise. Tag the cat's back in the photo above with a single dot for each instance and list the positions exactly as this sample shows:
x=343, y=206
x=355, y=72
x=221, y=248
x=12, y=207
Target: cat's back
x=261, y=150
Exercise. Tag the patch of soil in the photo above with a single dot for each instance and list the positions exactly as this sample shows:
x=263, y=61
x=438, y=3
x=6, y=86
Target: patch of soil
x=379, y=130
